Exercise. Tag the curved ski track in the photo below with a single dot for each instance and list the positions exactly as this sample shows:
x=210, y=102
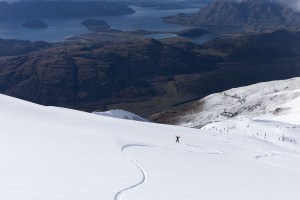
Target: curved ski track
x=118, y=196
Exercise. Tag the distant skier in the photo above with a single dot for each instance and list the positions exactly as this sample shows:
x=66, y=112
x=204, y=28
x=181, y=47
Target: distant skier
x=177, y=138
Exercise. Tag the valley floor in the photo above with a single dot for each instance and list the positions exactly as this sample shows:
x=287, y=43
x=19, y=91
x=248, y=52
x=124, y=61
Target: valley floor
x=50, y=153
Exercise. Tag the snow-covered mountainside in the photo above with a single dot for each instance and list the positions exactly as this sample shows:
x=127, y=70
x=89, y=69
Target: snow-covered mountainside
x=275, y=100
x=50, y=153
x=121, y=114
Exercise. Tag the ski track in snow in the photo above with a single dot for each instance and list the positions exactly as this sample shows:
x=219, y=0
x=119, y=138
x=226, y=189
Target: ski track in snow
x=118, y=196
x=263, y=154
x=267, y=155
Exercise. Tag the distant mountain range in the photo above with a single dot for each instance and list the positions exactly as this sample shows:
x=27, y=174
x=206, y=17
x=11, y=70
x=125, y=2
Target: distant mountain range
x=144, y=76
x=240, y=13
x=60, y=9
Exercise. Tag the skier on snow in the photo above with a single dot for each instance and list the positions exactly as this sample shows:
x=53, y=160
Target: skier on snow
x=177, y=138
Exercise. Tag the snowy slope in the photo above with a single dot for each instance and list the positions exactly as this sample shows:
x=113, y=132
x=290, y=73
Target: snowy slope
x=275, y=100
x=49, y=153
x=121, y=114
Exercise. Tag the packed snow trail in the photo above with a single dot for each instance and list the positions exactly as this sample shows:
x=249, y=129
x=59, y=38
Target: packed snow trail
x=266, y=155
x=118, y=196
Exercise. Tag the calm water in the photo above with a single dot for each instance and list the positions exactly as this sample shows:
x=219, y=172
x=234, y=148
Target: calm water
x=59, y=29
x=161, y=36
x=144, y=18
x=147, y=19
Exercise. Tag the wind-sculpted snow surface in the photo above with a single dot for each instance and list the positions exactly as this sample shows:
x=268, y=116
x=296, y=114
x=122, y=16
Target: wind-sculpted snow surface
x=51, y=153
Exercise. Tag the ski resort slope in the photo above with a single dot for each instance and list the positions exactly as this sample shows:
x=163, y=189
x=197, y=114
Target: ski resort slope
x=49, y=153
x=274, y=100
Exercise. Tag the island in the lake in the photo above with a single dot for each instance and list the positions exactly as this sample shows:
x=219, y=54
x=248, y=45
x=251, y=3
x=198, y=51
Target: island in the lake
x=96, y=25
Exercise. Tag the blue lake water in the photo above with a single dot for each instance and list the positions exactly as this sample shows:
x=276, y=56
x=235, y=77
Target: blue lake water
x=59, y=29
x=147, y=19
x=161, y=35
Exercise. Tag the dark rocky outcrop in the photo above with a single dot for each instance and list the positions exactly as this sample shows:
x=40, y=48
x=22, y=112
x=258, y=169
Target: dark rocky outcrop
x=11, y=47
x=258, y=48
x=96, y=25
x=35, y=24
x=241, y=13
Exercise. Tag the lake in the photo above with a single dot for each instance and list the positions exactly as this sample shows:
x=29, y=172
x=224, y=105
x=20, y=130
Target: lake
x=59, y=29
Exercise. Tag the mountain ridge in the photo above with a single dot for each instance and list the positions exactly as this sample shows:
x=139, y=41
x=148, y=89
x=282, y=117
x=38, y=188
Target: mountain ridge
x=241, y=13
x=146, y=76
